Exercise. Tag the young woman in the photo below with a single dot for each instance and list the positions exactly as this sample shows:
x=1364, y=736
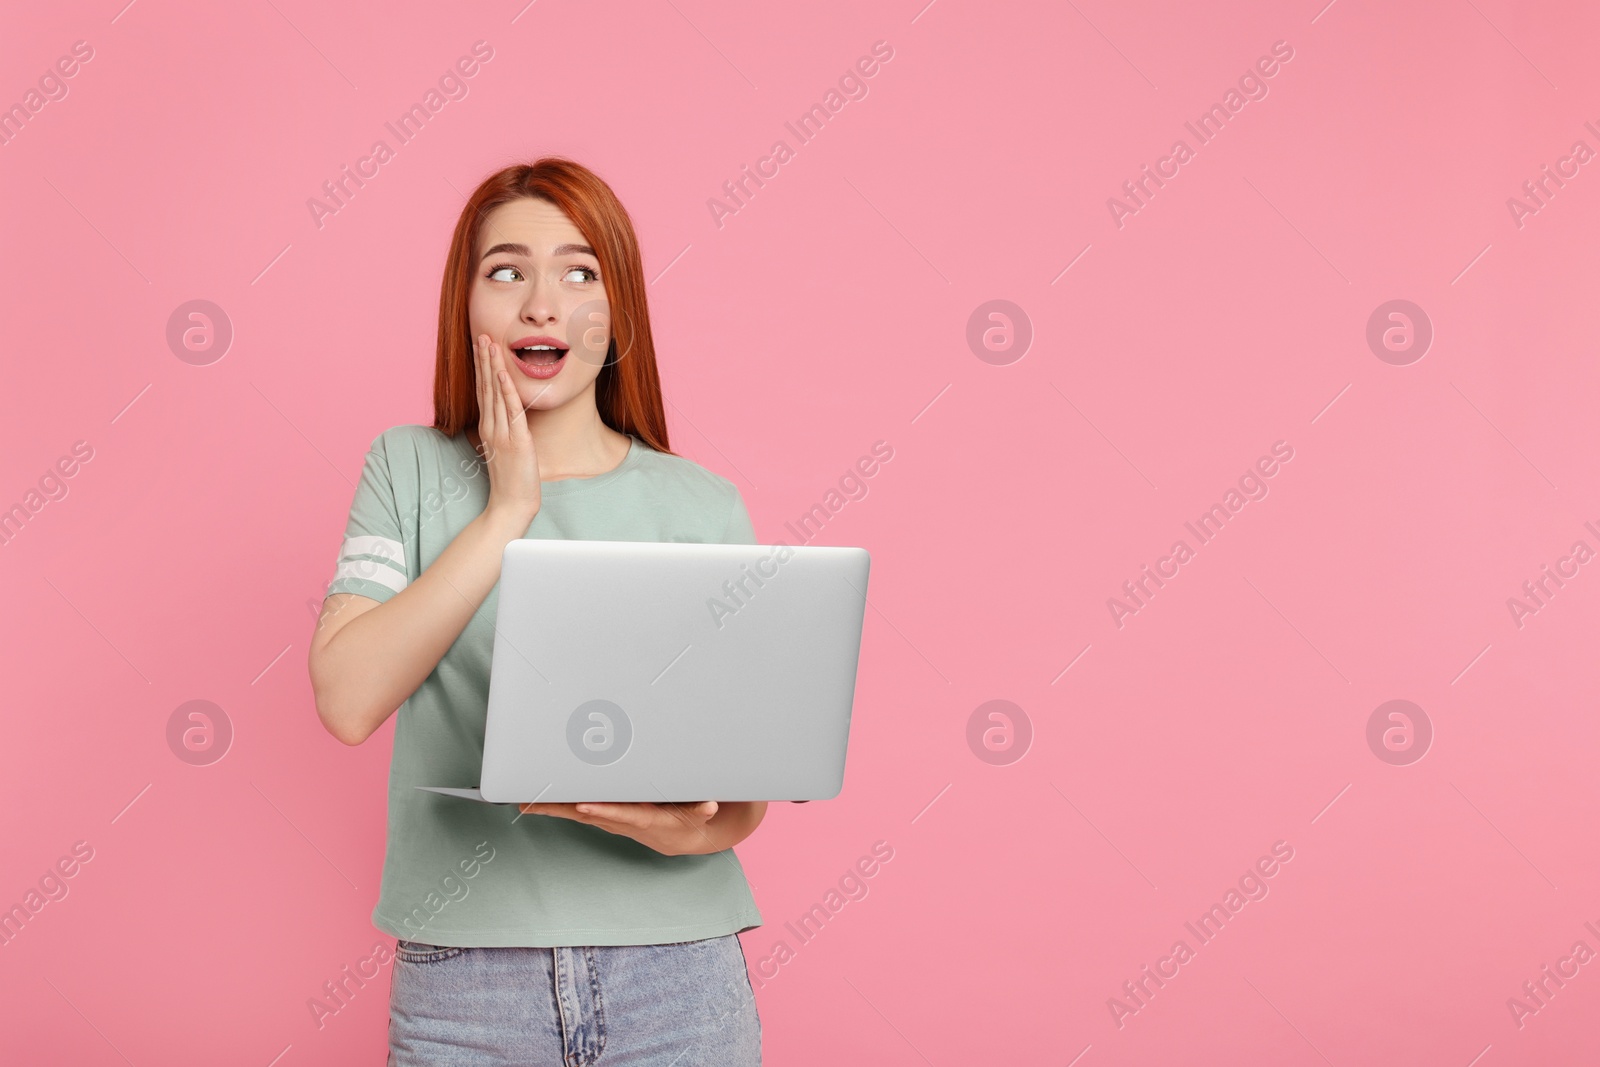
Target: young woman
x=560, y=933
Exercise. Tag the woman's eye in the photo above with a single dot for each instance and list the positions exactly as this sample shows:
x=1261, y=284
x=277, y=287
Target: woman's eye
x=497, y=274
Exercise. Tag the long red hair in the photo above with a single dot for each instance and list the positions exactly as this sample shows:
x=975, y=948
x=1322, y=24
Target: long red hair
x=628, y=390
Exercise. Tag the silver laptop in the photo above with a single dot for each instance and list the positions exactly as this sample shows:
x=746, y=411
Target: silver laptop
x=652, y=671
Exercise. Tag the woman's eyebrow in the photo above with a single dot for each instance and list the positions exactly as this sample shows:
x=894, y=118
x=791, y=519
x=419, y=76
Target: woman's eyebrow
x=522, y=250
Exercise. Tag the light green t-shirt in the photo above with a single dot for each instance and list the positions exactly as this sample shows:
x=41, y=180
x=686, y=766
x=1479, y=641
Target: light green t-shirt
x=457, y=872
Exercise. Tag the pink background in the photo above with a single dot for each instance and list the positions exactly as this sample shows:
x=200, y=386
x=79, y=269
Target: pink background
x=831, y=312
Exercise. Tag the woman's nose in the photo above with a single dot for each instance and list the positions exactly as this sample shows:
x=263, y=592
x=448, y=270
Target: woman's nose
x=536, y=305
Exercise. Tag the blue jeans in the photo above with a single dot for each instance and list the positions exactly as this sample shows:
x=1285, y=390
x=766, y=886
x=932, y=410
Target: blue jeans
x=677, y=1005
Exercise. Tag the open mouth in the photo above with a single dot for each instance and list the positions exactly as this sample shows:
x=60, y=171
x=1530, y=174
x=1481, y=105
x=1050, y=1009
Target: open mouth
x=540, y=355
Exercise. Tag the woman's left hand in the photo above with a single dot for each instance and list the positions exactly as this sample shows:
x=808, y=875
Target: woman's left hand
x=671, y=829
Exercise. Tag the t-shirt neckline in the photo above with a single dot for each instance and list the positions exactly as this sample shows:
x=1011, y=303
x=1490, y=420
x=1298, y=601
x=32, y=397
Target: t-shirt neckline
x=563, y=486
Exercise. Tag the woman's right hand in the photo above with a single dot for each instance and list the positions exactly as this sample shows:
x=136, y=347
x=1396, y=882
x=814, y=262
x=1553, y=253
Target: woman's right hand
x=503, y=429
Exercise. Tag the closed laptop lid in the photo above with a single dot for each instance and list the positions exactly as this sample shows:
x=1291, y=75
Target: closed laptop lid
x=647, y=671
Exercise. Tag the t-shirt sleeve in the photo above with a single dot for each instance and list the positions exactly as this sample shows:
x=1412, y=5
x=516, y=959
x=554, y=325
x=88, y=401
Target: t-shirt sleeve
x=739, y=530
x=372, y=558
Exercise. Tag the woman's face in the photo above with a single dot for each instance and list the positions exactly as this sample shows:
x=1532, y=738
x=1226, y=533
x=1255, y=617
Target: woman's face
x=538, y=283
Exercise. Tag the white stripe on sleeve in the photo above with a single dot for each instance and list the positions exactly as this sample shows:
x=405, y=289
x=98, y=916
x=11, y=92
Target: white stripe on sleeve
x=377, y=559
